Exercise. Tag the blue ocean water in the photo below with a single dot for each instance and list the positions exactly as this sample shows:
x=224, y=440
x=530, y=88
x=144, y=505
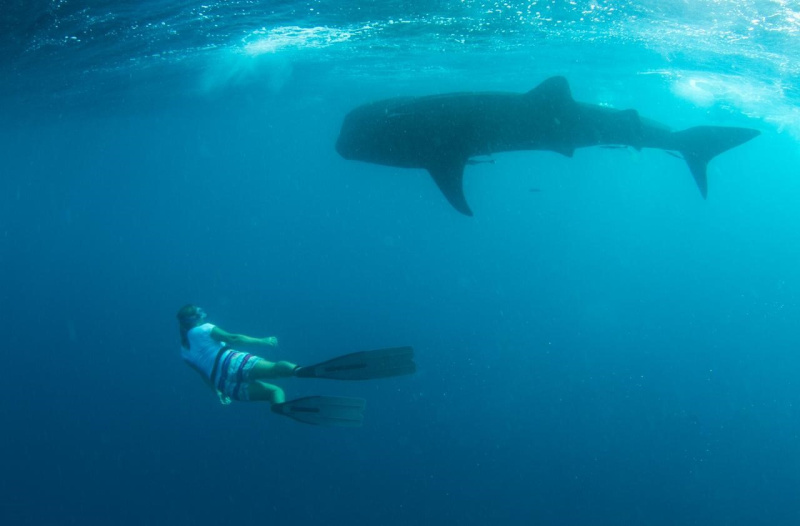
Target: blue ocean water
x=598, y=345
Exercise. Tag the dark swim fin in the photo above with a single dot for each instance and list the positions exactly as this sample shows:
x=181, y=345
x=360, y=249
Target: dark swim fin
x=364, y=365
x=328, y=411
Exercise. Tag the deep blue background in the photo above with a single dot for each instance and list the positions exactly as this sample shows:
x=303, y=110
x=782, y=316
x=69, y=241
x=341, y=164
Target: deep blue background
x=597, y=346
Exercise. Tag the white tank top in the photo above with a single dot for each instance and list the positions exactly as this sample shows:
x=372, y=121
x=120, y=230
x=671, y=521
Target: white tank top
x=202, y=349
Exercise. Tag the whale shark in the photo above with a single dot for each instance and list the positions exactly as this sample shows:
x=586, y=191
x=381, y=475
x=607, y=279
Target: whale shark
x=443, y=133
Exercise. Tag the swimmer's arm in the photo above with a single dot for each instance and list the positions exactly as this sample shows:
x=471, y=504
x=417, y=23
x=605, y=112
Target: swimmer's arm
x=240, y=340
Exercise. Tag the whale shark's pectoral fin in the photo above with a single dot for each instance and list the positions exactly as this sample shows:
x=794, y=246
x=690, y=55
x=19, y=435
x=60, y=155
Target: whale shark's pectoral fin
x=449, y=177
x=565, y=150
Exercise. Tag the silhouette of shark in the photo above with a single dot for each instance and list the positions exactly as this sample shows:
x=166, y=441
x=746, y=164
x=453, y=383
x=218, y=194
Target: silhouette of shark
x=440, y=133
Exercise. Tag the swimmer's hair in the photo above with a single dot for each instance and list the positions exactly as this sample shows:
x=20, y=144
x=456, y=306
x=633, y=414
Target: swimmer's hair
x=187, y=313
x=187, y=319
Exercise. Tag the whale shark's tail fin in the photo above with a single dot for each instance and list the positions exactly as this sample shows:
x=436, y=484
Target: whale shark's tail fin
x=700, y=144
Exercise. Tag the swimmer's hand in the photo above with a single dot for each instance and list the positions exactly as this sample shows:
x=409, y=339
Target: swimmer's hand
x=271, y=341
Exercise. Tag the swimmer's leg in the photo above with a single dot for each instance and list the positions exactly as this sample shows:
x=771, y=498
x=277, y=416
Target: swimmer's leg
x=259, y=391
x=266, y=370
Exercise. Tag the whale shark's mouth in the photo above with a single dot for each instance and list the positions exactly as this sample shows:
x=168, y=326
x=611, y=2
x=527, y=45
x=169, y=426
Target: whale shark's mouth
x=343, y=148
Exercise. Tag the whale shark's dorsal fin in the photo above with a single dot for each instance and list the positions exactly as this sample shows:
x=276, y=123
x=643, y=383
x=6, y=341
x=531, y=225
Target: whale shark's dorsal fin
x=553, y=90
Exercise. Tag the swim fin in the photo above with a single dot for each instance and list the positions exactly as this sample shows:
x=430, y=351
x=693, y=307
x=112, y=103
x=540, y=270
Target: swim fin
x=329, y=411
x=364, y=365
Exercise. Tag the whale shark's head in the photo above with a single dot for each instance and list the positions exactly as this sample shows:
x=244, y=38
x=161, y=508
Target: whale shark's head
x=361, y=134
x=374, y=133
x=351, y=139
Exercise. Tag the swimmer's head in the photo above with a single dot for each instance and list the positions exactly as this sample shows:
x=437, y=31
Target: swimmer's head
x=191, y=315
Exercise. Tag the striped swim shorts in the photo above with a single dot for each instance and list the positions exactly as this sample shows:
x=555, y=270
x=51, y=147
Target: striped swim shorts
x=233, y=377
